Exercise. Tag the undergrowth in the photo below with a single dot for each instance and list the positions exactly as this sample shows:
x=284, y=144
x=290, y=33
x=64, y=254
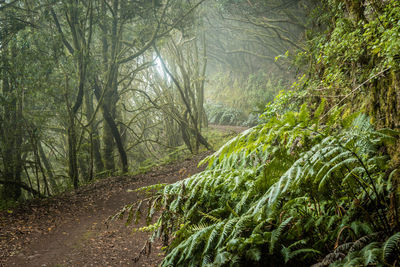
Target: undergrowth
x=292, y=190
x=224, y=115
x=307, y=186
x=215, y=137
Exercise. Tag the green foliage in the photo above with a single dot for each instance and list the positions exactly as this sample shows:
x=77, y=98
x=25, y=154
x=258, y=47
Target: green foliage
x=223, y=115
x=368, y=250
x=216, y=137
x=283, y=102
x=350, y=60
x=247, y=94
x=382, y=36
x=391, y=246
x=306, y=182
x=282, y=192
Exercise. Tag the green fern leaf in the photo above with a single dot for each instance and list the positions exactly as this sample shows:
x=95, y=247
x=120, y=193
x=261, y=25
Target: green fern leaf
x=391, y=245
x=276, y=234
x=253, y=254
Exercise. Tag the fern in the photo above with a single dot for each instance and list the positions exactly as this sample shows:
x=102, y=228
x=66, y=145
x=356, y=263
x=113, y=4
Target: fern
x=391, y=245
x=227, y=230
x=284, y=190
x=276, y=234
x=288, y=253
x=212, y=239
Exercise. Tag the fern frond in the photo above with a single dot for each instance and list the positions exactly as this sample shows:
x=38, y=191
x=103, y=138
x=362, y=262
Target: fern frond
x=210, y=217
x=227, y=231
x=276, y=234
x=297, y=252
x=196, y=241
x=372, y=256
x=331, y=258
x=344, y=248
x=212, y=239
x=362, y=242
x=391, y=245
x=199, y=227
x=241, y=224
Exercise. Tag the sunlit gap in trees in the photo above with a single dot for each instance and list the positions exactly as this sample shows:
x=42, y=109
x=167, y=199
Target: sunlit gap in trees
x=160, y=71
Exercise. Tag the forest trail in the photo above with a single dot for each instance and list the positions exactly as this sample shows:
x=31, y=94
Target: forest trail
x=72, y=230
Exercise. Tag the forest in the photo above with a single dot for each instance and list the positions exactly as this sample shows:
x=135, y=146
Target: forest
x=100, y=94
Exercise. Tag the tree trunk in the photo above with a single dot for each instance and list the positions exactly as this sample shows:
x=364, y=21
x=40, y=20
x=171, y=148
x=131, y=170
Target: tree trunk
x=171, y=129
x=49, y=169
x=81, y=33
x=38, y=162
x=111, y=132
x=72, y=153
x=200, y=86
x=95, y=138
x=113, y=129
x=21, y=185
x=11, y=133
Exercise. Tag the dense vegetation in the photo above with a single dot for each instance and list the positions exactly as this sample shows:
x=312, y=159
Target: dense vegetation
x=100, y=87
x=96, y=88
x=103, y=87
x=317, y=181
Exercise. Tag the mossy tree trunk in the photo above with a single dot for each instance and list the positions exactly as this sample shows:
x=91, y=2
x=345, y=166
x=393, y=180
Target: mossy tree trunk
x=111, y=48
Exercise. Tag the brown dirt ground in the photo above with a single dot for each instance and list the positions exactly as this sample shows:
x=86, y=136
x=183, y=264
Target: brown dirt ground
x=72, y=230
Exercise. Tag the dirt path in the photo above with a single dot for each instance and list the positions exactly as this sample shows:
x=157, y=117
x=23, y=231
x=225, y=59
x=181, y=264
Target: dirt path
x=70, y=230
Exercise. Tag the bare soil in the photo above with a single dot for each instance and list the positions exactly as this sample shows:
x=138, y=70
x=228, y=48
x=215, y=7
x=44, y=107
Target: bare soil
x=72, y=229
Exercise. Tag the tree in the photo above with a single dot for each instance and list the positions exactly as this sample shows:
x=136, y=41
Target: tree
x=79, y=16
x=256, y=32
x=186, y=69
x=23, y=111
x=64, y=66
x=128, y=30
x=10, y=127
